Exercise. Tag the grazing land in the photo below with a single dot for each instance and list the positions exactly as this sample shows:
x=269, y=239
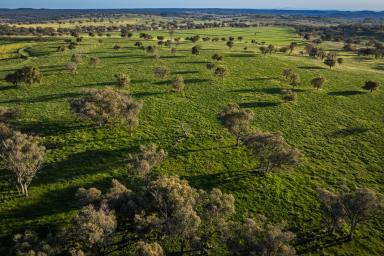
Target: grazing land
x=339, y=129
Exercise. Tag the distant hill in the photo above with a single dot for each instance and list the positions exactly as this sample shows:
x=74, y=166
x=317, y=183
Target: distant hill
x=25, y=14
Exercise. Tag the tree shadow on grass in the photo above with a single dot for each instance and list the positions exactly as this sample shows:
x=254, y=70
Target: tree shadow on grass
x=319, y=242
x=188, y=151
x=85, y=163
x=263, y=79
x=310, y=67
x=260, y=104
x=379, y=66
x=44, y=98
x=345, y=93
x=185, y=72
x=146, y=94
x=240, y=55
x=172, y=57
x=196, y=81
x=209, y=181
x=193, y=62
x=52, y=202
x=164, y=82
x=270, y=90
x=97, y=84
x=49, y=128
x=348, y=132
x=7, y=87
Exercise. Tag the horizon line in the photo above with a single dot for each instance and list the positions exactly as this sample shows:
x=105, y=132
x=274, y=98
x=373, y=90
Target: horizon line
x=197, y=8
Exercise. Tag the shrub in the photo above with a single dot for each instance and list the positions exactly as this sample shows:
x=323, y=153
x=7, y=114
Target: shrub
x=72, y=67
x=122, y=80
x=162, y=72
x=288, y=95
x=178, y=83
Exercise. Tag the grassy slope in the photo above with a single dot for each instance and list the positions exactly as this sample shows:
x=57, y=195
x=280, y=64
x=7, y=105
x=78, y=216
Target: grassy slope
x=339, y=129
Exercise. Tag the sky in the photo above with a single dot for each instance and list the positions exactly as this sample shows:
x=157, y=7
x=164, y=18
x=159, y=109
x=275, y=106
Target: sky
x=376, y=5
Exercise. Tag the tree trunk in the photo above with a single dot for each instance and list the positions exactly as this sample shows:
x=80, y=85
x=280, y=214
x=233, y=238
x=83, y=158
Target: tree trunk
x=130, y=130
x=352, y=229
x=26, y=190
x=237, y=140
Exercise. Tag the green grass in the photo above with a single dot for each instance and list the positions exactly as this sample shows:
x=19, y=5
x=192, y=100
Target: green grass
x=339, y=129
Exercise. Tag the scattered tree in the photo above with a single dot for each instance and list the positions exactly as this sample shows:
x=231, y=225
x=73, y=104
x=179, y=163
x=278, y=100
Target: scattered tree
x=178, y=83
x=76, y=58
x=122, y=80
x=318, y=82
x=94, y=61
x=149, y=157
x=332, y=209
x=221, y=72
x=210, y=65
x=251, y=238
x=272, y=151
x=236, y=120
x=162, y=72
x=370, y=86
x=72, y=67
x=295, y=80
x=196, y=50
x=330, y=60
x=102, y=106
x=288, y=95
x=287, y=73
x=23, y=156
x=359, y=206
x=27, y=75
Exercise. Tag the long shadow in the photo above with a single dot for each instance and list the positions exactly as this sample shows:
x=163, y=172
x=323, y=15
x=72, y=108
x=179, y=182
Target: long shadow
x=172, y=57
x=271, y=90
x=240, y=55
x=49, y=128
x=345, y=93
x=260, y=104
x=348, y=132
x=7, y=87
x=193, y=62
x=139, y=81
x=196, y=81
x=126, y=56
x=44, y=98
x=165, y=82
x=209, y=181
x=125, y=63
x=52, y=202
x=263, y=79
x=84, y=163
x=310, y=67
x=187, y=151
x=146, y=94
x=319, y=245
x=183, y=72
x=97, y=84
x=379, y=66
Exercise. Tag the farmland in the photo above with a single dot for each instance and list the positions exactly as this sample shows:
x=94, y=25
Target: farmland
x=339, y=129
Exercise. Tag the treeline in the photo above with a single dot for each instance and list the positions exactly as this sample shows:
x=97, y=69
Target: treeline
x=9, y=30
x=342, y=32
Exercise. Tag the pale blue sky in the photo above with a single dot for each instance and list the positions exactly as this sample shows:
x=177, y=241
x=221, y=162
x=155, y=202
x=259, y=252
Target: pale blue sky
x=376, y=5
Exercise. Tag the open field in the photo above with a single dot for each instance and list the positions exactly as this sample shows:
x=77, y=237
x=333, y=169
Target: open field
x=339, y=129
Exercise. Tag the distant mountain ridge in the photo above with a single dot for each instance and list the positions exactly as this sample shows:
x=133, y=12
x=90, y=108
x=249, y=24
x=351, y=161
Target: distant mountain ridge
x=46, y=14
